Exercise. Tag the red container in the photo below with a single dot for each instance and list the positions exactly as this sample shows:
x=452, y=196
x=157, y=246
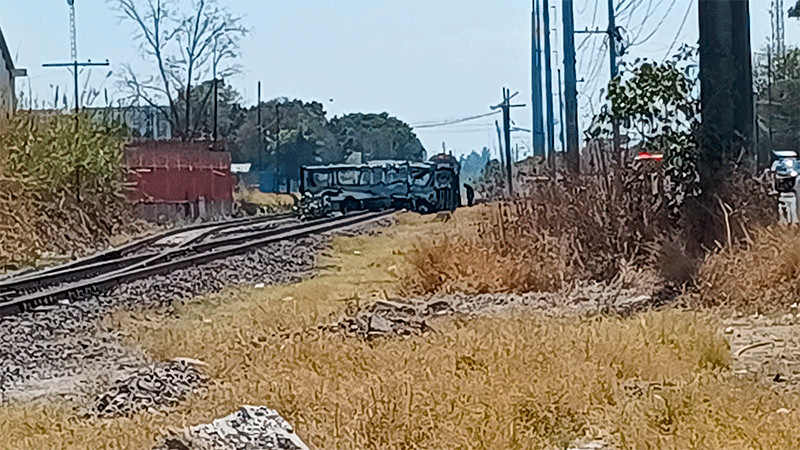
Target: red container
x=177, y=172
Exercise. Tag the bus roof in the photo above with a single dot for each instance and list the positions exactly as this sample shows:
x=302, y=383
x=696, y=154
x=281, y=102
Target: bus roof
x=373, y=164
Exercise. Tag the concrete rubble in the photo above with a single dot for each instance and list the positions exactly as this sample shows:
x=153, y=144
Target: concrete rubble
x=251, y=427
x=158, y=385
x=416, y=316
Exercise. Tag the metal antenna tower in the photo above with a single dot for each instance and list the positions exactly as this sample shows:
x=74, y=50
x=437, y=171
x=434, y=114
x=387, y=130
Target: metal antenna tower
x=72, y=31
x=778, y=30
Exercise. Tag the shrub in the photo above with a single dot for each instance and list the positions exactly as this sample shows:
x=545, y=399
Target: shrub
x=59, y=186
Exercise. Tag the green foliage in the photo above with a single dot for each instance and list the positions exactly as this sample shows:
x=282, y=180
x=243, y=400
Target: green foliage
x=59, y=185
x=657, y=106
x=473, y=165
x=778, y=107
x=307, y=137
x=376, y=136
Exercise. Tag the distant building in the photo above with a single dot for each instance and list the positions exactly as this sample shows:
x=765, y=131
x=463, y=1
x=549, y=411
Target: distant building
x=147, y=122
x=8, y=100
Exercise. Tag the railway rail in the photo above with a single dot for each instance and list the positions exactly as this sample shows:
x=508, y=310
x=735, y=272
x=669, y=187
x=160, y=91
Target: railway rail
x=159, y=255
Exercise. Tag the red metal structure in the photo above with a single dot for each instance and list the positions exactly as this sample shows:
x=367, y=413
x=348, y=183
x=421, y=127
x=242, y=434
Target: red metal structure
x=170, y=178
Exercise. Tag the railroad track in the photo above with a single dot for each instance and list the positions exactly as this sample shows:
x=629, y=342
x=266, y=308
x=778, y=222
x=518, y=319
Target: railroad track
x=159, y=255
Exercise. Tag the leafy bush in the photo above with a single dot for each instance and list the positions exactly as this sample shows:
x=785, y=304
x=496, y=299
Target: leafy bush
x=59, y=186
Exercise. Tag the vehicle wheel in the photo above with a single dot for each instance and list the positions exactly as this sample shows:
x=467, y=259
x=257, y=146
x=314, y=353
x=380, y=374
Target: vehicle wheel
x=422, y=207
x=349, y=205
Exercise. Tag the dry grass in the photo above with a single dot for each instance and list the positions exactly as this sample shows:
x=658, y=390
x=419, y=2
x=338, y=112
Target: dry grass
x=266, y=199
x=762, y=275
x=561, y=234
x=479, y=251
x=655, y=380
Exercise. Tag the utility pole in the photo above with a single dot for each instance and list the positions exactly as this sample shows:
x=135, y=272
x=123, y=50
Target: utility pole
x=278, y=141
x=561, y=112
x=570, y=85
x=260, y=131
x=726, y=105
x=769, y=98
x=74, y=65
x=500, y=144
x=537, y=127
x=612, y=54
x=506, y=108
x=548, y=84
x=215, y=89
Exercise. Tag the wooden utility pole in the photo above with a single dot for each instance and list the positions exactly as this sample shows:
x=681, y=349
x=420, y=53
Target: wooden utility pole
x=260, y=131
x=500, y=145
x=548, y=85
x=571, y=88
x=506, y=108
x=537, y=127
x=726, y=91
x=612, y=54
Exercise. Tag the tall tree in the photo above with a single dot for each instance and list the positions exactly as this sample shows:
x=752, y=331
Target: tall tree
x=187, y=41
x=778, y=92
x=376, y=136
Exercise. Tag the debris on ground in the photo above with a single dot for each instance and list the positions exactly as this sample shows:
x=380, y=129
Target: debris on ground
x=766, y=349
x=251, y=427
x=415, y=316
x=158, y=385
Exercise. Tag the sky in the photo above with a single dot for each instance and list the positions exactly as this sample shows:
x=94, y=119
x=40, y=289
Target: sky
x=422, y=61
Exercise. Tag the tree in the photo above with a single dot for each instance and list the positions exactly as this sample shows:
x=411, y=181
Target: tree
x=187, y=41
x=779, y=101
x=473, y=165
x=794, y=11
x=376, y=136
x=657, y=105
x=230, y=114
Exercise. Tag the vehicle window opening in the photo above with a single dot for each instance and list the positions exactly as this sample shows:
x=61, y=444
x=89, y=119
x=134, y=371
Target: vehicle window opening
x=348, y=177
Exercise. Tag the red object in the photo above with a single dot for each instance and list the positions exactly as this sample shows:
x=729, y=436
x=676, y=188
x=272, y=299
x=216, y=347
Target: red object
x=177, y=172
x=645, y=155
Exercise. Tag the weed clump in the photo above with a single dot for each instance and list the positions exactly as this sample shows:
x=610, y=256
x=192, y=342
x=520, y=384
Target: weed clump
x=760, y=275
x=60, y=186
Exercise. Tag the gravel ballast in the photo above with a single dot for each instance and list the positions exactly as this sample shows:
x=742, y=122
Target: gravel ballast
x=62, y=351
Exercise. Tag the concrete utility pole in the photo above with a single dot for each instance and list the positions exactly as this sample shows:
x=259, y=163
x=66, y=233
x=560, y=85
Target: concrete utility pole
x=571, y=88
x=548, y=84
x=506, y=108
x=537, y=126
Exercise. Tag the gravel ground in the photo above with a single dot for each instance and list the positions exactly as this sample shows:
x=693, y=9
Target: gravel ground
x=766, y=349
x=66, y=352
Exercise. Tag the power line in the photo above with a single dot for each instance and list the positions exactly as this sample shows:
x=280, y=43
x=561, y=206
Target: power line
x=454, y=121
x=680, y=29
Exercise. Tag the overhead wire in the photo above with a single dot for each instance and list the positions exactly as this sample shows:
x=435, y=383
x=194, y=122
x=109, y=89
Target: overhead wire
x=453, y=121
x=678, y=34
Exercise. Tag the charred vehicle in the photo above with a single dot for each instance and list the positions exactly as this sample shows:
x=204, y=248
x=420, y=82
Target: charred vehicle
x=376, y=185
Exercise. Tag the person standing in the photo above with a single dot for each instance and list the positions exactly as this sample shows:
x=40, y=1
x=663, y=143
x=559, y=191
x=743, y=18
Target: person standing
x=470, y=194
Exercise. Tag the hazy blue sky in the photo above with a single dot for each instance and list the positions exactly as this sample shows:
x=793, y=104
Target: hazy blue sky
x=420, y=60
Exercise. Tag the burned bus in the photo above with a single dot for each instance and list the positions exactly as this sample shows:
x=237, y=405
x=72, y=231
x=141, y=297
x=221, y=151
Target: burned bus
x=418, y=186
